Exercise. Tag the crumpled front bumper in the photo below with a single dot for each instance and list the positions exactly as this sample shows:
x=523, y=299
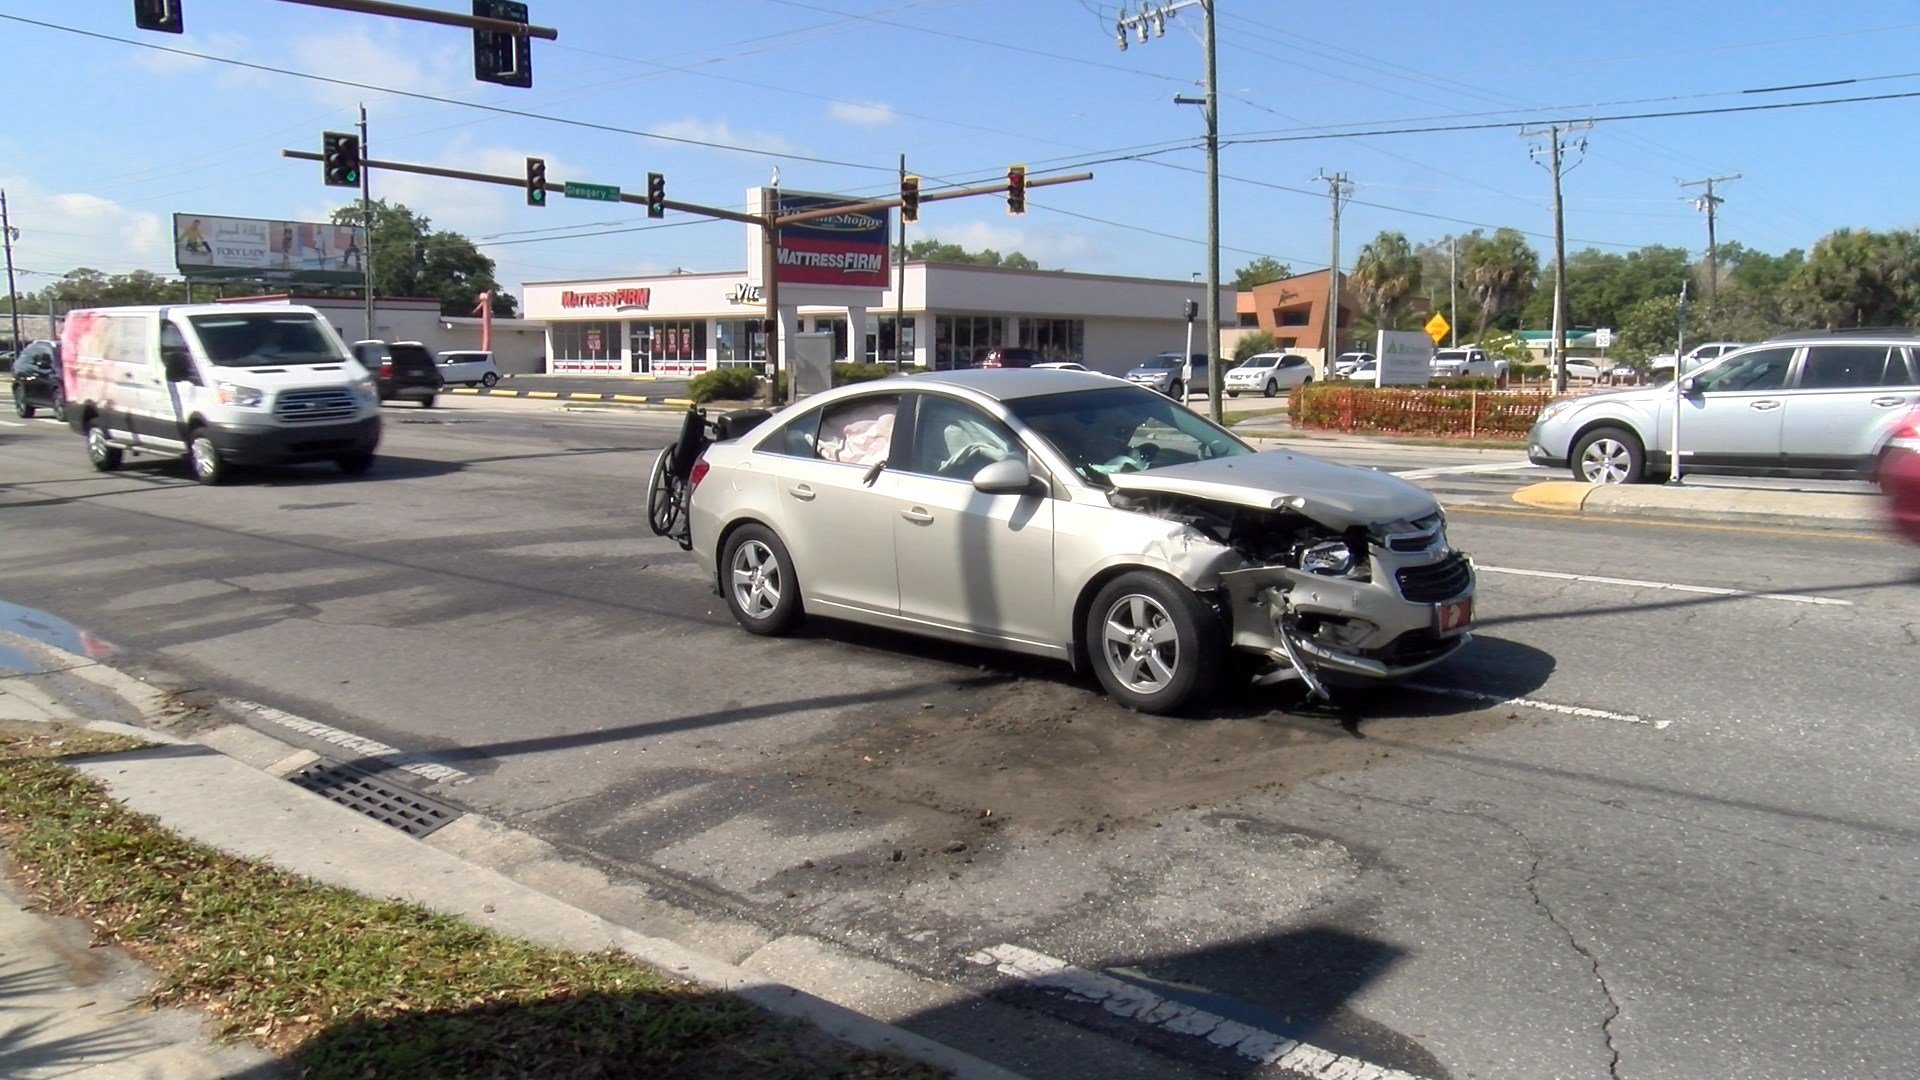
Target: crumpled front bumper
x=1365, y=629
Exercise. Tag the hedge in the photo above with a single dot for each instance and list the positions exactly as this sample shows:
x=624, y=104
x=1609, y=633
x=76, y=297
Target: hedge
x=1465, y=413
x=724, y=384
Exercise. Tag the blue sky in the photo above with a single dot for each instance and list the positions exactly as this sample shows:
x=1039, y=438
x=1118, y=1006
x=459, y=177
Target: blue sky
x=102, y=140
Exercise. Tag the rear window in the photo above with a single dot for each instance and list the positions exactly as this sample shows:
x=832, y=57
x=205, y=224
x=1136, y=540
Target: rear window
x=409, y=352
x=264, y=340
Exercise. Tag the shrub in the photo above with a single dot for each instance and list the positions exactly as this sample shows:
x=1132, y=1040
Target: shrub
x=1530, y=371
x=1251, y=344
x=724, y=384
x=1465, y=382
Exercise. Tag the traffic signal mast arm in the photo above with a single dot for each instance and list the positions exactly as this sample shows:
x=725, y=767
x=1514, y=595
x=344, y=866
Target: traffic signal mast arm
x=521, y=182
x=444, y=18
x=925, y=197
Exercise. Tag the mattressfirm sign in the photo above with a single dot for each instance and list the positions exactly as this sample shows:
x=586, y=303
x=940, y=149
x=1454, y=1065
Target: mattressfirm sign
x=610, y=298
x=843, y=249
x=205, y=246
x=1405, y=358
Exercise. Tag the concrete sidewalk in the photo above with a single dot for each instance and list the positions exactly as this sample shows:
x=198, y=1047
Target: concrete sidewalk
x=66, y=1007
x=1717, y=502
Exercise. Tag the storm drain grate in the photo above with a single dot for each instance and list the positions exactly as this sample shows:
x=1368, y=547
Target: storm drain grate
x=390, y=804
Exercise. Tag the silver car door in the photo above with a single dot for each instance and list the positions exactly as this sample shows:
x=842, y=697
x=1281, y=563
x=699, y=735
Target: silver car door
x=968, y=560
x=1843, y=396
x=835, y=510
x=1732, y=417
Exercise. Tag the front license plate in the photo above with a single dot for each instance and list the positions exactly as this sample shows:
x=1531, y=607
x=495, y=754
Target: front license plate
x=1453, y=617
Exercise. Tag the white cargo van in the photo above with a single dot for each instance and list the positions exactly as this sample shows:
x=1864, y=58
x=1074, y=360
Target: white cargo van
x=218, y=384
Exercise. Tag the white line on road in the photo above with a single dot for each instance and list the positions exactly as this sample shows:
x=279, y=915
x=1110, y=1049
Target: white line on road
x=1633, y=583
x=11, y=423
x=1137, y=1003
x=399, y=759
x=1458, y=470
x=1533, y=703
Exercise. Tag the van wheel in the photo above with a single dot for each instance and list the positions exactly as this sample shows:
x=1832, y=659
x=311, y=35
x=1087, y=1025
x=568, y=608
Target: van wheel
x=355, y=464
x=20, y=402
x=489, y=379
x=104, y=455
x=204, y=458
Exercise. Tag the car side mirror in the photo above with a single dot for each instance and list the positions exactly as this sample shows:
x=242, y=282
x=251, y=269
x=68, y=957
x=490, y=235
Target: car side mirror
x=1008, y=476
x=1690, y=386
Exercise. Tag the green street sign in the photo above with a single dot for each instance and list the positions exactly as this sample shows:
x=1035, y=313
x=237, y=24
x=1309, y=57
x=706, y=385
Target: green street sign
x=595, y=192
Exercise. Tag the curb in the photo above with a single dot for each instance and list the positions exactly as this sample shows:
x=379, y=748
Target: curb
x=1806, y=509
x=193, y=795
x=571, y=395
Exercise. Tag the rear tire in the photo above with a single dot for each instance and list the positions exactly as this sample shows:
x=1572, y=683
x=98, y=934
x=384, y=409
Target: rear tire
x=427, y=402
x=1155, y=646
x=1609, y=456
x=1270, y=389
x=20, y=404
x=756, y=575
x=489, y=379
x=105, y=456
x=203, y=457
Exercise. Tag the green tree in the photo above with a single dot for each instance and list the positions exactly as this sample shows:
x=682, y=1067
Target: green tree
x=1258, y=341
x=1385, y=277
x=932, y=250
x=1437, y=266
x=1650, y=327
x=1602, y=286
x=1859, y=278
x=84, y=286
x=1744, y=267
x=1499, y=272
x=1260, y=271
x=411, y=258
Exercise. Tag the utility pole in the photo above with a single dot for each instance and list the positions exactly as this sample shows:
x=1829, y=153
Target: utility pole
x=1708, y=203
x=1555, y=151
x=1338, y=188
x=366, y=219
x=1453, y=294
x=13, y=302
x=900, y=293
x=1156, y=18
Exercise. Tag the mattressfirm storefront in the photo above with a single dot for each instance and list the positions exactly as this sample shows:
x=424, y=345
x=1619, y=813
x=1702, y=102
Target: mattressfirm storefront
x=682, y=324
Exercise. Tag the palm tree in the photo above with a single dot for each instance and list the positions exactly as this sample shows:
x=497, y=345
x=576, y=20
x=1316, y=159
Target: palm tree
x=1499, y=272
x=1385, y=277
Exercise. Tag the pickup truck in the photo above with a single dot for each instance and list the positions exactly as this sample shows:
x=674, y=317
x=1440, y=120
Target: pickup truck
x=1454, y=363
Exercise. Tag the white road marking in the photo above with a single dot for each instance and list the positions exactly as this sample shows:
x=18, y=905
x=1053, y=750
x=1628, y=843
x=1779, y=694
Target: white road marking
x=11, y=423
x=399, y=759
x=1533, y=703
x=1634, y=583
x=1137, y=1003
x=1458, y=470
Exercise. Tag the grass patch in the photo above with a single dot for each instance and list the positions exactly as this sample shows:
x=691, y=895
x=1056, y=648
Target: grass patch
x=1255, y=414
x=344, y=985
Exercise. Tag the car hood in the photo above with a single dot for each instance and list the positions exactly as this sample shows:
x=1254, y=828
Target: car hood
x=1335, y=495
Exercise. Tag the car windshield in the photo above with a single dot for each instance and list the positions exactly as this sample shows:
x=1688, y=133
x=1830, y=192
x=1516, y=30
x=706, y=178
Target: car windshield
x=1162, y=362
x=1450, y=354
x=1258, y=362
x=1122, y=429
x=264, y=340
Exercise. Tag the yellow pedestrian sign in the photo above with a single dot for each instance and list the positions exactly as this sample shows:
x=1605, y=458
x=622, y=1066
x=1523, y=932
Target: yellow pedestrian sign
x=1437, y=327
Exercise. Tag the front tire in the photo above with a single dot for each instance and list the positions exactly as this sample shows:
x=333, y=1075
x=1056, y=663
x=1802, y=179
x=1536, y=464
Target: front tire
x=1155, y=646
x=1609, y=456
x=1178, y=391
x=489, y=379
x=1233, y=393
x=20, y=404
x=204, y=458
x=427, y=402
x=1270, y=389
x=756, y=574
x=355, y=464
x=105, y=456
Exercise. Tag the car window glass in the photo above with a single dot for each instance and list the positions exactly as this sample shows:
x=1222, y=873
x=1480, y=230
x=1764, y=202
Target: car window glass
x=857, y=432
x=955, y=439
x=797, y=438
x=1761, y=369
x=1839, y=367
x=1902, y=369
x=1122, y=429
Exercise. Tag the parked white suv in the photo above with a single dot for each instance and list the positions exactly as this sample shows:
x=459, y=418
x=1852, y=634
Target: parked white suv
x=1813, y=404
x=1269, y=373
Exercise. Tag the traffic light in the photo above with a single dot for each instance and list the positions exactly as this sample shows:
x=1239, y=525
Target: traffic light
x=1016, y=189
x=340, y=159
x=656, y=195
x=162, y=15
x=536, y=182
x=500, y=56
x=909, y=198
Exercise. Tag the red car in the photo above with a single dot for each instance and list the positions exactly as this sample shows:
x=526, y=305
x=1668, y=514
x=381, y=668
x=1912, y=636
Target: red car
x=1900, y=477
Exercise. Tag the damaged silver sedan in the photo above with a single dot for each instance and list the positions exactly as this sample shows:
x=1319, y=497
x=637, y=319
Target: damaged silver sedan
x=1060, y=514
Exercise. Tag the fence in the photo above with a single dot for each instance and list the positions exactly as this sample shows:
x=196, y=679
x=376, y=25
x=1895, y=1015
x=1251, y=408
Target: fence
x=1486, y=414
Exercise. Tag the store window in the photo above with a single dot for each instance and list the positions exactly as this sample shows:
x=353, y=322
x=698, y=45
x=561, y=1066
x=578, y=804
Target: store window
x=592, y=347
x=740, y=343
x=675, y=347
x=1055, y=339
x=961, y=341
x=881, y=346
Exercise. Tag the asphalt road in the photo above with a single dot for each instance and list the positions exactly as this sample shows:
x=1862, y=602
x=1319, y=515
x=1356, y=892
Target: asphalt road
x=1656, y=826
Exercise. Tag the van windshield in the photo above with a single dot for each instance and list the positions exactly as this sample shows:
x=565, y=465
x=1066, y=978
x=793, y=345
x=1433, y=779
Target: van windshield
x=264, y=339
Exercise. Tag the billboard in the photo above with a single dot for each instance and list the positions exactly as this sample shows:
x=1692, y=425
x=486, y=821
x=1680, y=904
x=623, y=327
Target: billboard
x=1405, y=358
x=205, y=246
x=845, y=249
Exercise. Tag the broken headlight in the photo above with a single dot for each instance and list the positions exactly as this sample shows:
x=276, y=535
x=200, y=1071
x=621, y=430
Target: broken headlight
x=1333, y=558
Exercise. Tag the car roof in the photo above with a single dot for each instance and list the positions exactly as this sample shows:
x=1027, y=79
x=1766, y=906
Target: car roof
x=1005, y=384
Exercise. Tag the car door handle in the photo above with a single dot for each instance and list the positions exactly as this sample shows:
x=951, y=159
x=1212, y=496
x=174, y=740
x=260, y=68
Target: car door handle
x=1889, y=402
x=803, y=493
x=918, y=515
x=1764, y=406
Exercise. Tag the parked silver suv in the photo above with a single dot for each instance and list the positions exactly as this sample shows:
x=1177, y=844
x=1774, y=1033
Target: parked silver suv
x=1817, y=404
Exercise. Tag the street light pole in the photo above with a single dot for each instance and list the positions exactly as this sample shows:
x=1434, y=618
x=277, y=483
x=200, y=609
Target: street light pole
x=13, y=302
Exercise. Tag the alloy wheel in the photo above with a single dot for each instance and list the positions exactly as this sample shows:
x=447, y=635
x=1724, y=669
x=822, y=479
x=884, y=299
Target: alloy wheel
x=756, y=579
x=1606, y=461
x=1140, y=643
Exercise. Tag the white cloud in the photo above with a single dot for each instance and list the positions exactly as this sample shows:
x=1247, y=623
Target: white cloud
x=384, y=59
x=865, y=114
x=61, y=231
x=721, y=133
x=172, y=63
x=1053, y=249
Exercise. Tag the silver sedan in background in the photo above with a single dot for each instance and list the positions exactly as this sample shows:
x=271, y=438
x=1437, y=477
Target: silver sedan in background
x=1057, y=513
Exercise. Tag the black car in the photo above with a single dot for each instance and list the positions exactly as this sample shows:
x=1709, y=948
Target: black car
x=36, y=379
x=402, y=370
